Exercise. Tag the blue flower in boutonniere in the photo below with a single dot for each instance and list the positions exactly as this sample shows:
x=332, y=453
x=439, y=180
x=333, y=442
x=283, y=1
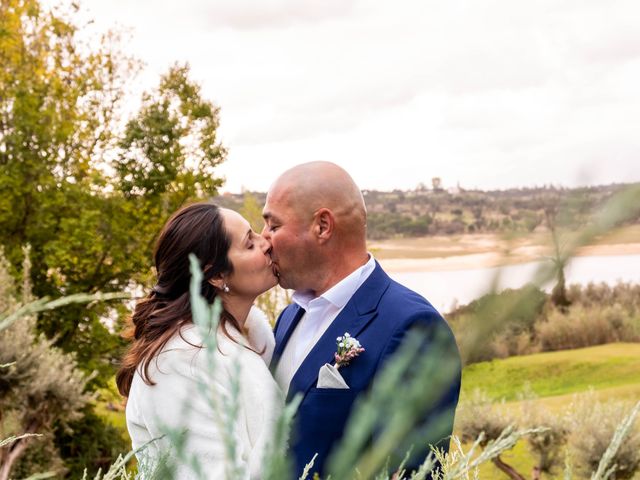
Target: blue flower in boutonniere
x=348, y=349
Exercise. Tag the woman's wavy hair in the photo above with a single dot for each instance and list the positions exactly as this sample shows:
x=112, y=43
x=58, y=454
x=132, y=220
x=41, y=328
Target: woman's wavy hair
x=197, y=229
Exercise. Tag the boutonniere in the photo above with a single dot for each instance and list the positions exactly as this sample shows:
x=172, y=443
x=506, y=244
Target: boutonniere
x=348, y=349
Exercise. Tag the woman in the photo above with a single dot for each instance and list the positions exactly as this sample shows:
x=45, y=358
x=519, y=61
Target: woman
x=160, y=372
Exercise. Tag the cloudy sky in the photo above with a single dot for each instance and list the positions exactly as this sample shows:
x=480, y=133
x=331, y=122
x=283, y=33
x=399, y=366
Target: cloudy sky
x=491, y=94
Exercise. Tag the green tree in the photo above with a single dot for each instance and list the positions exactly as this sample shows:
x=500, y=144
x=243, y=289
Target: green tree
x=58, y=101
x=86, y=189
x=252, y=211
x=170, y=149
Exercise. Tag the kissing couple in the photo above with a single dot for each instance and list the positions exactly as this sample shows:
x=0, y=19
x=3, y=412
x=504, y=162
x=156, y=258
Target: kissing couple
x=347, y=319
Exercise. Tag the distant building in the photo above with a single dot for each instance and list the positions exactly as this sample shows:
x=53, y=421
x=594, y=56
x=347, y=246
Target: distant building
x=455, y=190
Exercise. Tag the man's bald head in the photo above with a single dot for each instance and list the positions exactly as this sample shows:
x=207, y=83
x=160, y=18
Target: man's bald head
x=315, y=220
x=311, y=186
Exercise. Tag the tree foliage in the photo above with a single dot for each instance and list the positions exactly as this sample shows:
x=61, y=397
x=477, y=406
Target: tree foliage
x=86, y=188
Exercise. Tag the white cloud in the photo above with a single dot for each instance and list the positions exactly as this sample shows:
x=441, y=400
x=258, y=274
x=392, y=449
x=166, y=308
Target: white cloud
x=493, y=94
x=261, y=14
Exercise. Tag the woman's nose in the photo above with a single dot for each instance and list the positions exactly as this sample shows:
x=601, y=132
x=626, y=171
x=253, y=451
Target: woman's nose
x=266, y=245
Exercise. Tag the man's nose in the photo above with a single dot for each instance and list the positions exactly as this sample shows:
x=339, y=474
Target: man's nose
x=265, y=233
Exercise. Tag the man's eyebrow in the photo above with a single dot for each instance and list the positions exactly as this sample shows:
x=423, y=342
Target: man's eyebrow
x=268, y=216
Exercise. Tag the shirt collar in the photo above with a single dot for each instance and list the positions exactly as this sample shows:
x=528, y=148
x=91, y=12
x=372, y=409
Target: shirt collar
x=341, y=292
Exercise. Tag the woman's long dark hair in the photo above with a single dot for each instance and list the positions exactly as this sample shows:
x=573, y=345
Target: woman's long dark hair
x=198, y=229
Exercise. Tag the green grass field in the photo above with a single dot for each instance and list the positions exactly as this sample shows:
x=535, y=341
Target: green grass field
x=615, y=366
x=612, y=371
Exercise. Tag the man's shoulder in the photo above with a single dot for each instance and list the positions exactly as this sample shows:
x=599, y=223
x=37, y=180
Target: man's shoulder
x=401, y=309
x=405, y=301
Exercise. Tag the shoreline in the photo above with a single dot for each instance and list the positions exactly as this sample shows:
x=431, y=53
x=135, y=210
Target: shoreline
x=489, y=258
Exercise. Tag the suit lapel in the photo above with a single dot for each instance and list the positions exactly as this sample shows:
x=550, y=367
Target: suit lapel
x=290, y=318
x=353, y=318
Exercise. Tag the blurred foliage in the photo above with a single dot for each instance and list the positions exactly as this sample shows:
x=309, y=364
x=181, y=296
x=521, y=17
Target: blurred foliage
x=86, y=188
x=596, y=314
x=251, y=209
x=581, y=434
x=40, y=386
x=592, y=425
x=89, y=443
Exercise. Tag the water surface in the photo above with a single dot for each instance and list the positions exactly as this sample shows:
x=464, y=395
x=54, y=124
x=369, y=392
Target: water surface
x=445, y=289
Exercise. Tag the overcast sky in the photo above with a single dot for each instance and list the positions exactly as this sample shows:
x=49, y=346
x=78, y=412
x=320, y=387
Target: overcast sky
x=490, y=94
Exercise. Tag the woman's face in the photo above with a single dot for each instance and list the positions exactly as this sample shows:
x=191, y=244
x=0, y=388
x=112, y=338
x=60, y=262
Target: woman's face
x=252, y=270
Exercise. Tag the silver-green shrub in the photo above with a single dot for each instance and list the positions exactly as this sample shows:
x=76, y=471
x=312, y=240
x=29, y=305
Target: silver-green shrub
x=592, y=426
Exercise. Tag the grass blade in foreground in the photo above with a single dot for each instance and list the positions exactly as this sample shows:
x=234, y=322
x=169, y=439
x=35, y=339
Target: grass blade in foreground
x=605, y=469
x=422, y=377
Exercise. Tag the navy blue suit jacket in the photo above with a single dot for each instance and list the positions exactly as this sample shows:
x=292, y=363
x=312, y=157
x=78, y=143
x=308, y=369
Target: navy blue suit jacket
x=379, y=315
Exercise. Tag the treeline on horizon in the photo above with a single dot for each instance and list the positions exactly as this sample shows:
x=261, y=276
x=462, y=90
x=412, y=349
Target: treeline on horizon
x=438, y=211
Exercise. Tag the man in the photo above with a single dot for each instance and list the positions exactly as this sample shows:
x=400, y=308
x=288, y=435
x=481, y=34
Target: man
x=315, y=219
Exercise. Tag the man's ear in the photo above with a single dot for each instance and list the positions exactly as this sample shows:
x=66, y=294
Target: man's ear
x=324, y=224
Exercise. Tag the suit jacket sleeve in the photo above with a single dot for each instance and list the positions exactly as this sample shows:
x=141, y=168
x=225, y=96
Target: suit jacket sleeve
x=434, y=425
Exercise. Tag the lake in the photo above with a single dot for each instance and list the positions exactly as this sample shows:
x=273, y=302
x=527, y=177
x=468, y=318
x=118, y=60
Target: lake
x=445, y=289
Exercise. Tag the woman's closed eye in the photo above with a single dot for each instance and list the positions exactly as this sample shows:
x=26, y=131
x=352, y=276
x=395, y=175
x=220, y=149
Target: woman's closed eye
x=250, y=243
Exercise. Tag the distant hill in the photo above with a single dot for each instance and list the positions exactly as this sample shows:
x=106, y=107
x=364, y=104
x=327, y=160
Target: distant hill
x=424, y=211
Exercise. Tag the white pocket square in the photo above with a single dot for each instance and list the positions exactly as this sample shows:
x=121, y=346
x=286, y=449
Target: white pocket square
x=329, y=377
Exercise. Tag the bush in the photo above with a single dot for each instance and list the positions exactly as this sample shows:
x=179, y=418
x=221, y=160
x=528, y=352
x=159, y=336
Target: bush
x=511, y=337
x=597, y=314
x=89, y=442
x=545, y=446
x=547, y=432
x=586, y=326
x=480, y=415
x=41, y=387
x=592, y=425
x=42, y=392
x=581, y=435
x=593, y=294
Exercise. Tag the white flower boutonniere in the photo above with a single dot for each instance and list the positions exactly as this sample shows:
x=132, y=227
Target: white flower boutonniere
x=348, y=349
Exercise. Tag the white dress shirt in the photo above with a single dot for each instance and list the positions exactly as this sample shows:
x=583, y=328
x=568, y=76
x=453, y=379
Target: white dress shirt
x=320, y=312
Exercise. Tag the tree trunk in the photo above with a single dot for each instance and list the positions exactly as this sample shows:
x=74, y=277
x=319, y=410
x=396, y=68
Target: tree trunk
x=537, y=471
x=508, y=469
x=15, y=450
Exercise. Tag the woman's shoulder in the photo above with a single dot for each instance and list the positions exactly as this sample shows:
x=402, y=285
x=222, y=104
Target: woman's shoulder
x=259, y=333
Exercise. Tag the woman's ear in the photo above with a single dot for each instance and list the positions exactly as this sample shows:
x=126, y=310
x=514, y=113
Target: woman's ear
x=217, y=281
x=323, y=224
